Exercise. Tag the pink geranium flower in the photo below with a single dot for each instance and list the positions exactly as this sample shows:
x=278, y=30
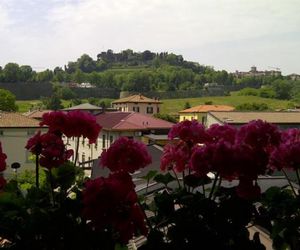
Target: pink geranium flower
x=50, y=148
x=112, y=202
x=189, y=131
x=2, y=159
x=74, y=123
x=126, y=155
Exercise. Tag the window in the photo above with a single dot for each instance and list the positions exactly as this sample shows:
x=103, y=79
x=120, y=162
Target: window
x=157, y=110
x=103, y=141
x=29, y=132
x=149, y=110
x=111, y=139
x=136, y=109
x=1, y=132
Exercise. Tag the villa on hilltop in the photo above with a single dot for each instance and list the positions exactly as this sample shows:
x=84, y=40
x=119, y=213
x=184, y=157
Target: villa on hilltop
x=254, y=72
x=138, y=103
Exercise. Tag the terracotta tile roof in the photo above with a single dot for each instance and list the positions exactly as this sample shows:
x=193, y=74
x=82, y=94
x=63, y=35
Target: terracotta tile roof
x=130, y=121
x=36, y=114
x=207, y=108
x=136, y=98
x=244, y=117
x=16, y=120
x=83, y=106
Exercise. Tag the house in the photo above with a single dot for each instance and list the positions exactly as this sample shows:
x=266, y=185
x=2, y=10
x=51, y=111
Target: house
x=137, y=103
x=255, y=73
x=15, y=130
x=87, y=107
x=36, y=114
x=133, y=125
x=199, y=112
x=282, y=119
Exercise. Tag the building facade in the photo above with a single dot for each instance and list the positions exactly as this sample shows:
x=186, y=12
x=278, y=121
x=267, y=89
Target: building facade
x=137, y=103
x=283, y=120
x=199, y=112
x=15, y=130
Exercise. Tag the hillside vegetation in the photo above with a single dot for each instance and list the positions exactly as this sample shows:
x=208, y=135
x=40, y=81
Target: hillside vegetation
x=172, y=106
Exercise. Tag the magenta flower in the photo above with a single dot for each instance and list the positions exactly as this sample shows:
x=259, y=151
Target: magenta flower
x=126, y=155
x=2, y=159
x=189, y=131
x=176, y=157
x=51, y=149
x=112, y=202
x=259, y=134
x=217, y=157
x=74, y=123
x=225, y=132
x=286, y=155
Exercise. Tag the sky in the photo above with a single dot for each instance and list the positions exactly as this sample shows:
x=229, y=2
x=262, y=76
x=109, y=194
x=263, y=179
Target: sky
x=226, y=34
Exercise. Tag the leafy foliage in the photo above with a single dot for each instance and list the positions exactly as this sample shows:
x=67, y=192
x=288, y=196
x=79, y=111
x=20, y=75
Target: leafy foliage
x=7, y=101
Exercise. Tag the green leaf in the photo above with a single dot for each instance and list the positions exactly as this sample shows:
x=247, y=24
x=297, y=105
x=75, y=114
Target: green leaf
x=120, y=247
x=150, y=175
x=164, y=179
x=65, y=175
x=196, y=181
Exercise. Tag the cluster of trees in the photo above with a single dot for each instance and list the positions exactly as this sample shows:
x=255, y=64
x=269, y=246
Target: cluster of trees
x=280, y=89
x=147, y=71
x=127, y=70
x=7, y=101
x=14, y=73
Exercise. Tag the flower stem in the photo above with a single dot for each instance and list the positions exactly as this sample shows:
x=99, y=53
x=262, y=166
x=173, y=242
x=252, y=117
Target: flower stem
x=77, y=149
x=51, y=186
x=213, y=186
x=146, y=218
x=37, y=171
x=218, y=186
x=179, y=185
x=298, y=177
x=289, y=181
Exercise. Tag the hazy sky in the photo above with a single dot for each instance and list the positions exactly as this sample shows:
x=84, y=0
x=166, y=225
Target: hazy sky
x=226, y=34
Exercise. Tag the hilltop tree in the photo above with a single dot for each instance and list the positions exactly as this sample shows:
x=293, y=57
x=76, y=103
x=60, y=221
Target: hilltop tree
x=26, y=73
x=11, y=72
x=7, y=101
x=86, y=64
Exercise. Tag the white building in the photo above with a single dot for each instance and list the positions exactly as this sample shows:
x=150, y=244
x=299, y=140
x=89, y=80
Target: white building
x=15, y=130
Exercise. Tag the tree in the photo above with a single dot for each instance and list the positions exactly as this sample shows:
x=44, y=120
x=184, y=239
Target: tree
x=7, y=101
x=187, y=105
x=86, y=63
x=53, y=102
x=283, y=89
x=11, y=72
x=26, y=73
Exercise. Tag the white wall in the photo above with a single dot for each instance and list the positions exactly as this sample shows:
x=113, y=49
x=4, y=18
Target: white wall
x=210, y=120
x=13, y=142
x=126, y=107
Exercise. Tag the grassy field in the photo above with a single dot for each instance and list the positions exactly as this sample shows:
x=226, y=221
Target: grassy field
x=25, y=106
x=172, y=106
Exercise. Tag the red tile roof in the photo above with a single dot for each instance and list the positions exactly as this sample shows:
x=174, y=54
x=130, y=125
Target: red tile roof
x=16, y=120
x=130, y=121
x=36, y=114
x=207, y=108
x=136, y=99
